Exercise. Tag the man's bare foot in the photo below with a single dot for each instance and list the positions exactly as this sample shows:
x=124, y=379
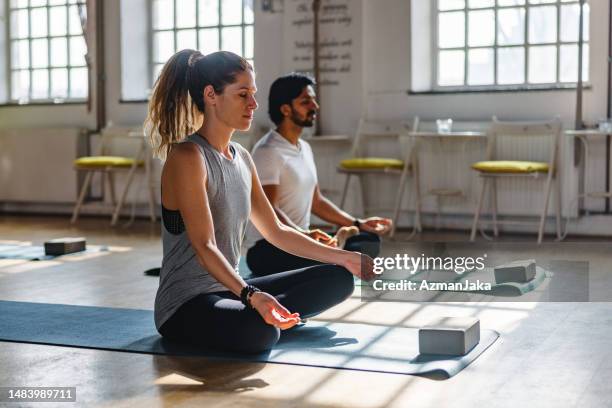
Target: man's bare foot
x=345, y=233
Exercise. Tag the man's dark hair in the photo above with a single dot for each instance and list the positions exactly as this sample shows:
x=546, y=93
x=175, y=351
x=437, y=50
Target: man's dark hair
x=284, y=90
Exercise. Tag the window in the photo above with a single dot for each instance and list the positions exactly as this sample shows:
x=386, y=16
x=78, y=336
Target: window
x=205, y=25
x=47, y=51
x=508, y=43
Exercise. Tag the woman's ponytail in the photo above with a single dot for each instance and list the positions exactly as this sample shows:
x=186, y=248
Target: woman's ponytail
x=171, y=116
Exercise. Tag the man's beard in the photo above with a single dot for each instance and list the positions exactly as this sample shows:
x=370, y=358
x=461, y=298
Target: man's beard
x=308, y=122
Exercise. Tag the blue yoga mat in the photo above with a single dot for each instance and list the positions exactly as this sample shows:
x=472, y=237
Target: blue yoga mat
x=37, y=253
x=320, y=344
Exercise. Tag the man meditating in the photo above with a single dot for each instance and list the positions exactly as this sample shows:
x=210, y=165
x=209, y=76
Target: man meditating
x=287, y=172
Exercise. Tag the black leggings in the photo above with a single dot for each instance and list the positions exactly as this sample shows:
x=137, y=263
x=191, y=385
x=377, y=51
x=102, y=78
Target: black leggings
x=220, y=321
x=264, y=258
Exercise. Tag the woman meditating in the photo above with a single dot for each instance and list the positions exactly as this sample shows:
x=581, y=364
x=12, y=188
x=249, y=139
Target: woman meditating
x=210, y=190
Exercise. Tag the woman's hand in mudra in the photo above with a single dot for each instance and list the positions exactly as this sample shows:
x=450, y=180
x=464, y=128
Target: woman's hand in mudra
x=360, y=265
x=273, y=312
x=322, y=237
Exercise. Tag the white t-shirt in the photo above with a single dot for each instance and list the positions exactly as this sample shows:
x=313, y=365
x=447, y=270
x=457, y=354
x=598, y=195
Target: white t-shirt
x=292, y=168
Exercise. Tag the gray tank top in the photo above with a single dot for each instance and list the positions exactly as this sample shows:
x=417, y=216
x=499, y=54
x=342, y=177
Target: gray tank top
x=228, y=188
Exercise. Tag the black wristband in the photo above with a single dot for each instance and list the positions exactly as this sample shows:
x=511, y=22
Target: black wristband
x=357, y=223
x=245, y=294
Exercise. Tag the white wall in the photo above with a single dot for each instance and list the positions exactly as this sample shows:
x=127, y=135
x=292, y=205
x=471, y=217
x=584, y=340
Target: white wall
x=120, y=114
x=387, y=72
x=383, y=67
x=386, y=66
x=268, y=61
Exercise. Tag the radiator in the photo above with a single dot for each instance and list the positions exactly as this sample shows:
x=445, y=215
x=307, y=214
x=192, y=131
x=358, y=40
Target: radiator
x=446, y=165
x=36, y=164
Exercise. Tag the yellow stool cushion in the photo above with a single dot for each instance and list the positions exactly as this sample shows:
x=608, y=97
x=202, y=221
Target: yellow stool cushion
x=94, y=162
x=510, y=166
x=371, y=163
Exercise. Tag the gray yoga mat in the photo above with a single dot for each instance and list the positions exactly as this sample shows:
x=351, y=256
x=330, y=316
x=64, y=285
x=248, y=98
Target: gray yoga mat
x=335, y=345
x=37, y=253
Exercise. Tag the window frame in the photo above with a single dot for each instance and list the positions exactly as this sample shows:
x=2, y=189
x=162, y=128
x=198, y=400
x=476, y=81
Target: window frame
x=219, y=27
x=9, y=69
x=525, y=45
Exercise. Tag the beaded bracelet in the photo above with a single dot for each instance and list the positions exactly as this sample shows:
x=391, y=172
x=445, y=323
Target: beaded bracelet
x=246, y=293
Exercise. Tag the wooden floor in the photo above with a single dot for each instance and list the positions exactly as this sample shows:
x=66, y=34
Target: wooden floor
x=549, y=354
